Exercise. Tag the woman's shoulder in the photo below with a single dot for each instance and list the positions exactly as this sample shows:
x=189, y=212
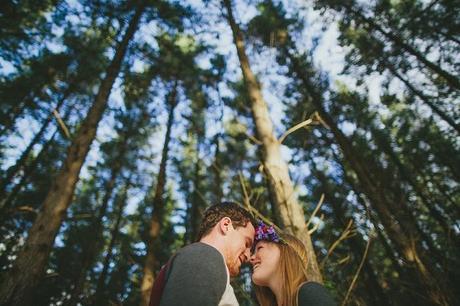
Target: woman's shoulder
x=312, y=293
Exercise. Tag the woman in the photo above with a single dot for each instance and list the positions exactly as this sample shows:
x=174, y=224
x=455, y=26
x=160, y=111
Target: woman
x=280, y=271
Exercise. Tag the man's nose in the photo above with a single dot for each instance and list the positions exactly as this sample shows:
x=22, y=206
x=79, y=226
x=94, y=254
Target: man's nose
x=247, y=255
x=252, y=259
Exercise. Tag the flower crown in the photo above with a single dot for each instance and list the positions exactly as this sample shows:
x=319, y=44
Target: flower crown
x=267, y=233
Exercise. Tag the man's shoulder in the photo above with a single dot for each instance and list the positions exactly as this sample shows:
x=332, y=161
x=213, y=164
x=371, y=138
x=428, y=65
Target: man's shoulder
x=200, y=258
x=197, y=277
x=201, y=250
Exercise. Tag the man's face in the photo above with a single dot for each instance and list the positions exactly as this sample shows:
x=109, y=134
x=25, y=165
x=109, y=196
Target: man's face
x=239, y=247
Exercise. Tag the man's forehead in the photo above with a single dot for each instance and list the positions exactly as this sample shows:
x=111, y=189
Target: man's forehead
x=250, y=231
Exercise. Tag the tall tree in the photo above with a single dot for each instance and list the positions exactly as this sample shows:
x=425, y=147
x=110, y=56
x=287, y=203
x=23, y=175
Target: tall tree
x=287, y=208
x=32, y=260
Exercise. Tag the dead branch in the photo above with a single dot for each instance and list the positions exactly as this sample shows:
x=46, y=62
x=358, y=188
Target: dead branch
x=245, y=192
x=355, y=278
x=348, y=232
x=61, y=124
x=253, y=139
x=295, y=128
x=318, y=206
x=316, y=226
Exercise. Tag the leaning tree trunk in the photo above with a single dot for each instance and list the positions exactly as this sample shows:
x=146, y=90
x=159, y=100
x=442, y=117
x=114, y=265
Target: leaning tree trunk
x=28, y=169
x=287, y=208
x=18, y=287
x=401, y=230
x=151, y=261
x=20, y=163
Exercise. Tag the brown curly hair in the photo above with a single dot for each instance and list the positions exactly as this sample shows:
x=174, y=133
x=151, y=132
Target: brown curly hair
x=212, y=215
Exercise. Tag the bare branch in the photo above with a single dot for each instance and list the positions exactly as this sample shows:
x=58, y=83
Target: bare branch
x=295, y=128
x=357, y=271
x=253, y=139
x=61, y=124
x=318, y=206
x=348, y=232
x=315, y=227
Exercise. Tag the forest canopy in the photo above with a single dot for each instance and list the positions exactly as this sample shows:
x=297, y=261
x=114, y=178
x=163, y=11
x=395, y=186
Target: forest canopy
x=122, y=121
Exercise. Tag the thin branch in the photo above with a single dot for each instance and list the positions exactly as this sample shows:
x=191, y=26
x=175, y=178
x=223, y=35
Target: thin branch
x=320, y=120
x=295, y=128
x=61, y=124
x=355, y=278
x=371, y=234
x=318, y=206
x=348, y=232
x=253, y=139
x=261, y=217
x=343, y=260
x=245, y=192
x=25, y=208
x=316, y=226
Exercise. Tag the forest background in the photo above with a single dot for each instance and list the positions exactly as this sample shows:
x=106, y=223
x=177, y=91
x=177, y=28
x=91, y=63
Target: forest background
x=121, y=121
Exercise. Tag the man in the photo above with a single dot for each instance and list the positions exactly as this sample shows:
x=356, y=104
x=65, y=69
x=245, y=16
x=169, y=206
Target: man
x=199, y=274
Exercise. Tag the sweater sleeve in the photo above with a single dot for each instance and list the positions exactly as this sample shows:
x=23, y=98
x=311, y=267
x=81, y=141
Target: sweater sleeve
x=312, y=293
x=197, y=277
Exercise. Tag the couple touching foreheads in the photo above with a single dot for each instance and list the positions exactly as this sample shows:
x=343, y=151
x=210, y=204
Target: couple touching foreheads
x=199, y=274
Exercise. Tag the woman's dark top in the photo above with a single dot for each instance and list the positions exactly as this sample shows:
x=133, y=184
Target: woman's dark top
x=314, y=294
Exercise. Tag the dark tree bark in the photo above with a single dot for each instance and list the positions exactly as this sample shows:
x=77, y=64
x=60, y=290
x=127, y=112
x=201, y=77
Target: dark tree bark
x=20, y=163
x=28, y=170
x=32, y=259
x=92, y=248
x=396, y=218
x=115, y=232
x=151, y=261
x=377, y=295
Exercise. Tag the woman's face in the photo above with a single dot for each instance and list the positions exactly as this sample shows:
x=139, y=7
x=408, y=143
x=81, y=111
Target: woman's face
x=265, y=263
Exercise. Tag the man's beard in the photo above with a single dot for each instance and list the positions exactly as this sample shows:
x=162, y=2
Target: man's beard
x=234, y=267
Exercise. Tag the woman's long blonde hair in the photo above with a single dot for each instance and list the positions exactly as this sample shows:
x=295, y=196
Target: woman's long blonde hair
x=293, y=268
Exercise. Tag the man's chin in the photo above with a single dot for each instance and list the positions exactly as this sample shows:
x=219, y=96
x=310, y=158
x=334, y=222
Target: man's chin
x=235, y=269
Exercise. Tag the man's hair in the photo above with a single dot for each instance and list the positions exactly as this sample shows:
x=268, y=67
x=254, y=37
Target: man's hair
x=239, y=216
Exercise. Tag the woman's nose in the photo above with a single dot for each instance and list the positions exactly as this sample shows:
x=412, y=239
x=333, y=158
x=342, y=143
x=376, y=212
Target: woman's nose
x=252, y=259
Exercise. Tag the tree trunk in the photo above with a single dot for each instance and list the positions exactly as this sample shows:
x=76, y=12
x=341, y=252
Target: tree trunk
x=100, y=288
x=32, y=259
x=92, y=248
x=422, y=97
x=402, y=230
x=20, y=163
x=217, y=170
x=288, y=209
x=151, y=262
x=28, y=170
x=383, y=143
x=377, y=295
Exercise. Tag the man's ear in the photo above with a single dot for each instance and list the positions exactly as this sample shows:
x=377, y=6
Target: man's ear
x=224, y=225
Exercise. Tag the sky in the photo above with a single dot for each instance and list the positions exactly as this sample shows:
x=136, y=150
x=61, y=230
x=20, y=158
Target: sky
x=328, y=56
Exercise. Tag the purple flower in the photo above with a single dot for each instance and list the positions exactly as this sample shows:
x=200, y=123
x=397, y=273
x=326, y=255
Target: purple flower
x=263, y=232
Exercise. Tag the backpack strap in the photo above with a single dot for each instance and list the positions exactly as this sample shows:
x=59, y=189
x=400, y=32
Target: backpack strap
x=159, y=283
